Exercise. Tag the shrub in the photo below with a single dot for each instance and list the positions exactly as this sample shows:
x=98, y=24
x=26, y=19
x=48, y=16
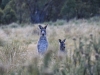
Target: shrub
x=9, y=15
x=3, y=3
x=68, y=10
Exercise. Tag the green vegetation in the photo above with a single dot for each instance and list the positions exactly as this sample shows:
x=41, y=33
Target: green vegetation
x=22, y=11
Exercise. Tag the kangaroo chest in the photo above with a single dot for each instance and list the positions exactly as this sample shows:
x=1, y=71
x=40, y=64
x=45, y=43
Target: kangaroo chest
x=43, y=43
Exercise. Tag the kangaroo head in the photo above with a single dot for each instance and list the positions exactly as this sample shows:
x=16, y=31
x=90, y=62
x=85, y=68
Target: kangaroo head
x=62, y=44
x=43, y=30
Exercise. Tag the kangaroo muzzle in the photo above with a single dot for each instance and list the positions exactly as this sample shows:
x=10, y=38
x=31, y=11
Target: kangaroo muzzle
x=43, y=33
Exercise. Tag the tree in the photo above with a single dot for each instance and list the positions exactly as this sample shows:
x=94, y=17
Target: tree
x=4, y=3
x=0, y=2
x=1, y=13
x=9, y=15
x=38, y=11
x=68, y=10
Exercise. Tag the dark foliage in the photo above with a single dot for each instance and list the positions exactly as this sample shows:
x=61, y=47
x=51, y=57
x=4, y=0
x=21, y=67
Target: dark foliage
x=37, y=11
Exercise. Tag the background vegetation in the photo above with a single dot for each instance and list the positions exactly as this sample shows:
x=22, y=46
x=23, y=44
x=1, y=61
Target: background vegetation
x=37, y=11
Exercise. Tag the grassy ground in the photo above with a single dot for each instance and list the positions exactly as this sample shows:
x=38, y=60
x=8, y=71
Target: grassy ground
x=19, y=56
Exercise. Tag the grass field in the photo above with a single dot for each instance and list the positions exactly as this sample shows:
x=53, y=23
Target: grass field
x=19, y=56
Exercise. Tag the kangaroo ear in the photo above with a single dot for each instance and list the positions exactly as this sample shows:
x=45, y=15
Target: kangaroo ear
x=64, y=40
x=45, y=26
x=40, y=26
x=60, y=40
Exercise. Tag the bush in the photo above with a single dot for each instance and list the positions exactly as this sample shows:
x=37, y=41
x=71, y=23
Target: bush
x=4, y=3
x=68, y=10
x=9, y=15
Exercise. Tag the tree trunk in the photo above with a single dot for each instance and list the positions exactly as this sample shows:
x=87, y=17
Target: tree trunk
x=37, y=15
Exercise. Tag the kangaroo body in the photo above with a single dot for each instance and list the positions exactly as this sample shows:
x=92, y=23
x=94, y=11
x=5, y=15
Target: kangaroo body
x=42, y=43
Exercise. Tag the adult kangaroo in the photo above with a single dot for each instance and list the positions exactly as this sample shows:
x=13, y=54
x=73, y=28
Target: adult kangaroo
x=42, y=43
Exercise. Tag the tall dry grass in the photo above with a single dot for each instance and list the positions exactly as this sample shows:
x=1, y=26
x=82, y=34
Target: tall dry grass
x=19, y=56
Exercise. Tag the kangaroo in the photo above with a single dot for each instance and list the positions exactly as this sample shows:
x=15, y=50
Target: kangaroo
x=62, y=45
x=62, y=52
x=42, y=43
